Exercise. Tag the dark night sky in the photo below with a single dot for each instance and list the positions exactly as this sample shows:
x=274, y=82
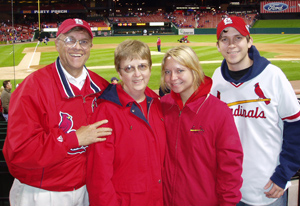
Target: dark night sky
x=154, y=3
x=159, y=3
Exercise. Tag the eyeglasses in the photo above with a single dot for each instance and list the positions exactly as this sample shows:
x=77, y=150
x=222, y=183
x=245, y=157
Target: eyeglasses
x=140, y=67
x=71, y=42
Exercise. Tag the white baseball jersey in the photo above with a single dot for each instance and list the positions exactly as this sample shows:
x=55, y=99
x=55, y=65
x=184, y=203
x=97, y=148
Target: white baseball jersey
x=260, y=105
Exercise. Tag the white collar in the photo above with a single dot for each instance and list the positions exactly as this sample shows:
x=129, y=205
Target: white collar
x=79, y=81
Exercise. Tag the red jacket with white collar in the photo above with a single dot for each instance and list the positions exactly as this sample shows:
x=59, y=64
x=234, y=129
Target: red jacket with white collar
x=41, y=148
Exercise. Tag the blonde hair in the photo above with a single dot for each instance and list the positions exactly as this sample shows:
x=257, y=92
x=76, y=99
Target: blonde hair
x=187, y=57
x=132, y=49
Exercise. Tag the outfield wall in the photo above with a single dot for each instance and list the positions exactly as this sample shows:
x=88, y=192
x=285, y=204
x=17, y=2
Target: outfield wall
x=275, y=30
x=191, y=31
x=170, y=30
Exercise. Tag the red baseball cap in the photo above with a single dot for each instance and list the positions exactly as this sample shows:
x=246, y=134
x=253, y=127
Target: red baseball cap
x=71, y=23
x=236, y=22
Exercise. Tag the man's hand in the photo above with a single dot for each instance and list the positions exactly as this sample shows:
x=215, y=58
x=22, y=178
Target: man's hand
x=91, y=134
x=275, y=191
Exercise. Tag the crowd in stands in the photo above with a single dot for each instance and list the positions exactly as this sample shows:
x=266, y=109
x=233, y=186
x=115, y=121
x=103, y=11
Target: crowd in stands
x=25, y=32
x=16, y=33
x=182, y=19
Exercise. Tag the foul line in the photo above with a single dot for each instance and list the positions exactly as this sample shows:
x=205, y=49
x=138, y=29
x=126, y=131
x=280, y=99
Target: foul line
x=33, y=54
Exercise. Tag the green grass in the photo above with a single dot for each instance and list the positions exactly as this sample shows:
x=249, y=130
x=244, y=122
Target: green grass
x=103, y=57
x=280, y=23
x=289, y=68
x=8, y=57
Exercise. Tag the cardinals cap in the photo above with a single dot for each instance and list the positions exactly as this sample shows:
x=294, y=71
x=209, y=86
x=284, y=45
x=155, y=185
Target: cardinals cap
x=236, y=22
x=69, y=24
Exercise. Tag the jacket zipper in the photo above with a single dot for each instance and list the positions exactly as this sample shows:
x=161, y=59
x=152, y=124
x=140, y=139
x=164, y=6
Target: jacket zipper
x=176, y=156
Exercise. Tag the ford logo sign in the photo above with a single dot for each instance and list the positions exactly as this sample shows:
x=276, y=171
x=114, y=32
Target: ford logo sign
x=276, y=7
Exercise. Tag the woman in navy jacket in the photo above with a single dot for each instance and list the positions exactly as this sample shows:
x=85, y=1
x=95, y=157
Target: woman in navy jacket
x=127, y=168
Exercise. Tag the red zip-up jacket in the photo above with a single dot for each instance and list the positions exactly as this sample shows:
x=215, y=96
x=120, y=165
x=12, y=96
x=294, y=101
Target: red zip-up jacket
x=41, y=148
x=126, y=169
x=203, y=163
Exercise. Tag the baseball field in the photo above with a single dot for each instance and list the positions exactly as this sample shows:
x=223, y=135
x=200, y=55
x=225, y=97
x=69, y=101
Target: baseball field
x=19, y=60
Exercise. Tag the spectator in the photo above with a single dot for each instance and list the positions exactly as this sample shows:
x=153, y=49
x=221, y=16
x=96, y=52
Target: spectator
x=48, y=130
x=158, y=43
x=203, y=163
x=1, y=109
x=40, y=39
x=5, y=98
x=266, y=113
x=163, y=92
x=126, y=169
x=114, y=80
x=46, y=39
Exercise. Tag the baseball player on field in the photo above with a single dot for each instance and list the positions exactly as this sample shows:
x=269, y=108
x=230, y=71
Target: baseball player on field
x=48, y=131
x=266, y=113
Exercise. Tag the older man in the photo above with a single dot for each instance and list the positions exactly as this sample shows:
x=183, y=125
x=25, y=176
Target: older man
x=48, y=129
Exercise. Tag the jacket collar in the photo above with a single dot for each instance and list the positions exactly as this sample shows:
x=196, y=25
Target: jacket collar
x=116, y=94
x=66, y=89
x=259, y=64
x=200, y=94
x=7, y=90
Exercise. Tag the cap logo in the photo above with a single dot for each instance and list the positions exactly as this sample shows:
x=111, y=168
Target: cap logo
x=227, y=21
x=78, y=21
x=247, y=27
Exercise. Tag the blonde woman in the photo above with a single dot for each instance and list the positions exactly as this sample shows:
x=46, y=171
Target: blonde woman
x=203, y=162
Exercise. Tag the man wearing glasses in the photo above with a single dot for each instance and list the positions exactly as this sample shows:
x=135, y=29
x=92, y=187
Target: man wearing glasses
x=48, y=130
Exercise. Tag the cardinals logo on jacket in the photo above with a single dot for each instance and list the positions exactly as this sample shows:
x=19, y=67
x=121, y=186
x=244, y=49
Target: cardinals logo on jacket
x=260, y=93
x=66, y=122
x=66, y=125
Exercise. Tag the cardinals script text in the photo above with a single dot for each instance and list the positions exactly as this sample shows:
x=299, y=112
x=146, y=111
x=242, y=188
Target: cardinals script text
x=241, y=112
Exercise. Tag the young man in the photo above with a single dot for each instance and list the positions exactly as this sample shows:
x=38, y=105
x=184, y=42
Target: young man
x=5, y=98
x=266, y=113
x=48, y=130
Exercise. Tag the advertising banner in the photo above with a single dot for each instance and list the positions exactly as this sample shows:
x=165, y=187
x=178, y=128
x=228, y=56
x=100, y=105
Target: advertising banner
x=186, y=31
